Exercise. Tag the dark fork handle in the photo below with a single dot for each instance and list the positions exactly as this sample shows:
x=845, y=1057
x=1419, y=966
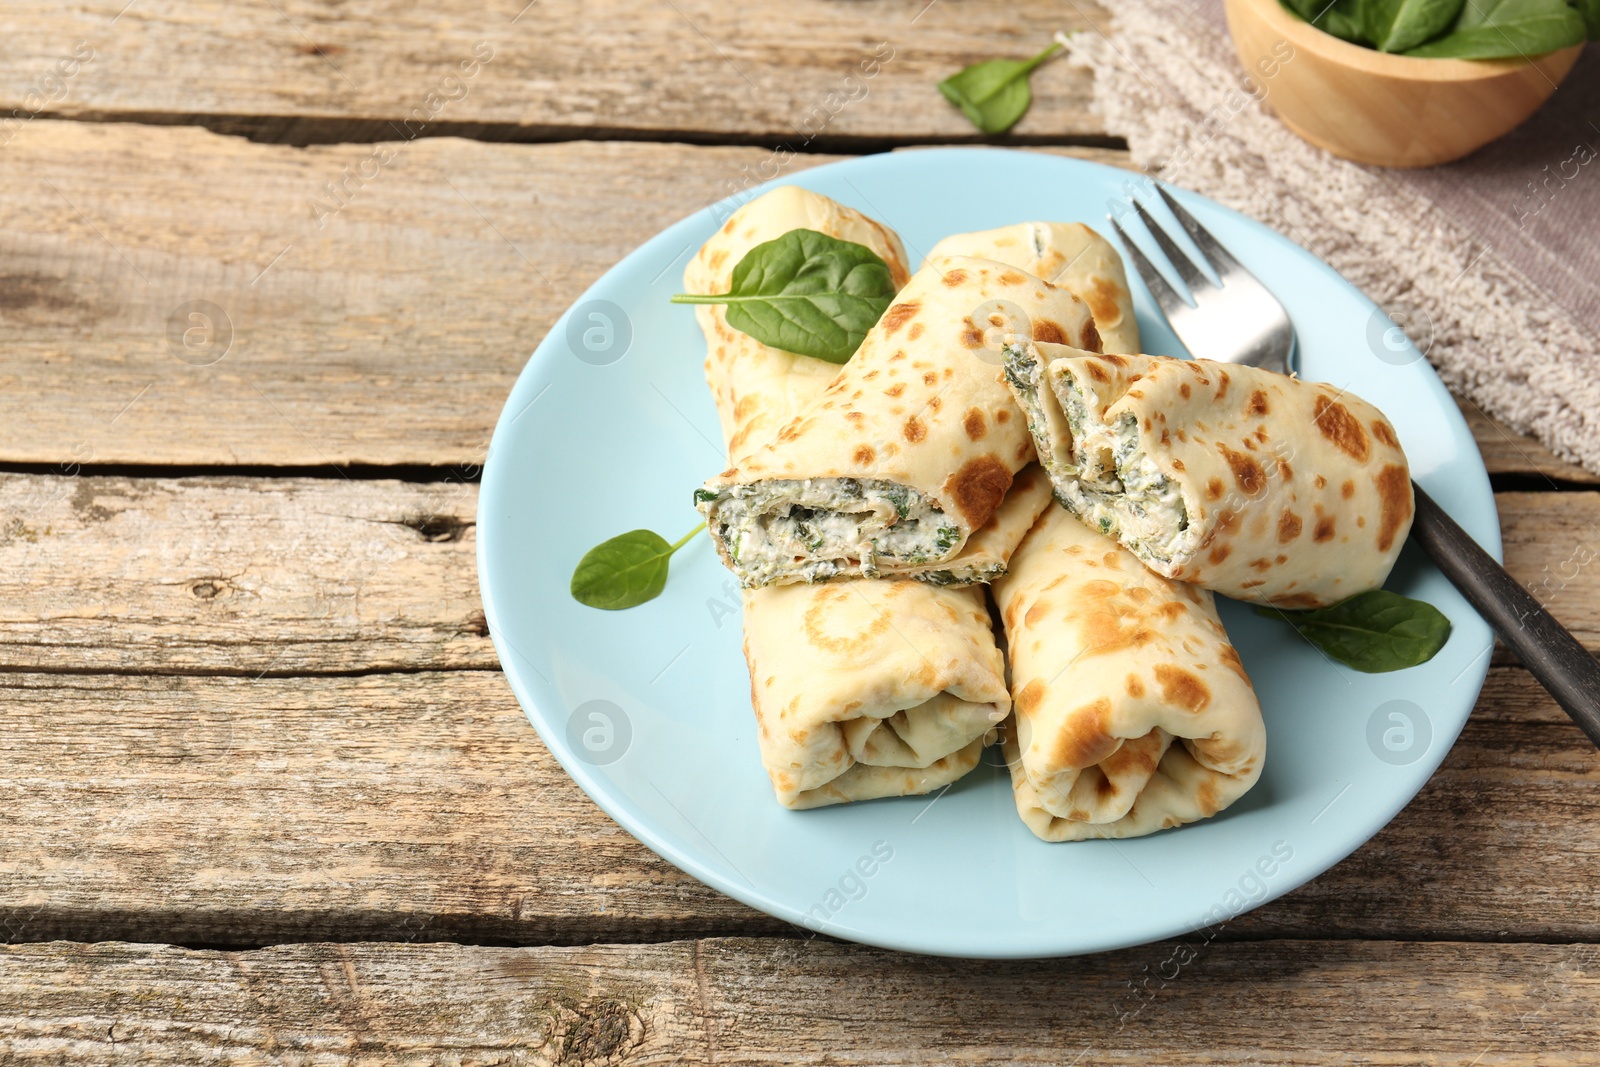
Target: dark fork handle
x=1545, y=647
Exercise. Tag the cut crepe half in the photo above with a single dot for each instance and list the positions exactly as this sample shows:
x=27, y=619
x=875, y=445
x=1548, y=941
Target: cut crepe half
x=758, y=389
x=860, y=689
x=1256, y=485
x=909, y=451
x=1072, y=256
x=1131, y=710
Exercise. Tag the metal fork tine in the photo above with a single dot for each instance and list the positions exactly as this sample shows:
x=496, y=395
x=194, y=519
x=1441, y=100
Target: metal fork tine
x=1166, y=297
x=1191, y=274
x=1221, y=261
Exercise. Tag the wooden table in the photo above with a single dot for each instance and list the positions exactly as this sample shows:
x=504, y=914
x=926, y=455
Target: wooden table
x=265, y=794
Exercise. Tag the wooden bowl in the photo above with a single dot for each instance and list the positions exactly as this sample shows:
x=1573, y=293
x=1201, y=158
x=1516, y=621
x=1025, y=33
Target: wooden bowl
x=1393, y=111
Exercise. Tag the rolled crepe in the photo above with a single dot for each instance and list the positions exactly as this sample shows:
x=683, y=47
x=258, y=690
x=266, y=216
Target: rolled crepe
x=1069, y=254
x=758, y=389
x=1131, y=711
x=868, y=689
x=1256, y=485
x=860, y=689
x=909, y=451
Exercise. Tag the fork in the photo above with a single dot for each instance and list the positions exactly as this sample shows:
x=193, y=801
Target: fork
x=1240, y=321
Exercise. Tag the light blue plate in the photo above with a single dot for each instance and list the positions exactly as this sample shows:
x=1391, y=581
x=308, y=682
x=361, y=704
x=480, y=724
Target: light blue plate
x=610, y=428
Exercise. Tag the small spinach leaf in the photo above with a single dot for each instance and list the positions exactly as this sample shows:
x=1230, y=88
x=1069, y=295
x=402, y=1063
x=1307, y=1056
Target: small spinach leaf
x=994, y=94
x=1373, y=632
x=806, y=293
x=625, y=571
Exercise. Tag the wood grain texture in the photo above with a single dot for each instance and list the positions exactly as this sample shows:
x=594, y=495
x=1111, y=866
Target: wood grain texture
x=243, y=811
x=292, y=69
x=738, y=1001
x=423, y=294
x=246, y=576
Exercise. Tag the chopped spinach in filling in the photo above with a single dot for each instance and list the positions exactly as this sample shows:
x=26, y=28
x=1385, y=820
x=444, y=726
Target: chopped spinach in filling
x=1101, y=472
x=820, y=528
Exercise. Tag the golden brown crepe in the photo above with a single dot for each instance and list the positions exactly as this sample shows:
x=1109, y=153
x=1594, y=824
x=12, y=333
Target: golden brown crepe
x=1069, y=254
x=757, y=388
x=860, y=689
x=909, y=451
x=868, y=689
x=1255, y=485
x=1131, y=711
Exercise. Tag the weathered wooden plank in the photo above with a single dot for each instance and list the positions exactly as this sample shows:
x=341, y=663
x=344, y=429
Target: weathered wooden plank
x=769, y=1001
x=423, y=295
x=243, y=811
x=299, y=69
x=239, y=575
x=388, y=331
x=305, y=575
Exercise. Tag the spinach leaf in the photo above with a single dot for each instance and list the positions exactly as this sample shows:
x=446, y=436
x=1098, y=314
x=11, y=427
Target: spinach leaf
x=1590, y=10
x=806, y=293
x=994, y=94
x=1342, y=18
x=625, y=571
x=1507, y=29
x=1373, y=632
x=1396, y=25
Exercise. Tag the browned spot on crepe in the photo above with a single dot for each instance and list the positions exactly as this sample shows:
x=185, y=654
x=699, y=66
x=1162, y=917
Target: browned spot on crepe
x=1084, y=739
x=1037, y=613
x=1383, y=432
x=1321, y=482
x=1134, y=686
x=1172, y=609
x=1297, y=600
x=915, y=331
x=1285, y=471
x=1258, y=403
x=978, y=487
x=1247, y=472
x=1091, y=338
x=1348, y=489
x=1011, y=277
x=1394, y=496
x=1181, y=687
x=1032, y=693
x=897, y=315
x=1045, y=330
x=971, y=337
x=1214, y=489
x=1325, y=528
x=817, y=634
x=955, y=278
x=1096, y=371
x=895, y=390
x=1184, y=390
x=864, y=455
x=974, y=424
x=1230, y=659
x=1002, y=416
x=913, y=430
x=1289, y=527
x=1342, y=428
